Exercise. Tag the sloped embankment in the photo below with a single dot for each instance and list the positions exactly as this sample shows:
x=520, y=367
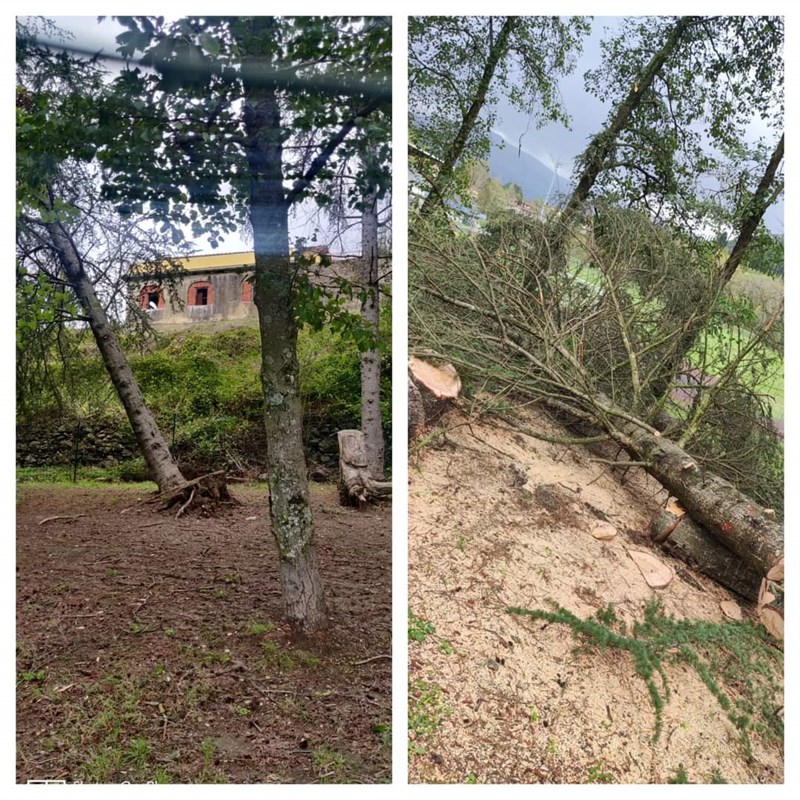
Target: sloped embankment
x=497, y=519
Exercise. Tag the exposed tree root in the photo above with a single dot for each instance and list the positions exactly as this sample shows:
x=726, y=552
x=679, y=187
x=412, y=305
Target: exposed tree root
x=201, y=495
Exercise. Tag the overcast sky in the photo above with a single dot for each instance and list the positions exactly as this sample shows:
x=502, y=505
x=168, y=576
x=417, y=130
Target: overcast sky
x=557, y=147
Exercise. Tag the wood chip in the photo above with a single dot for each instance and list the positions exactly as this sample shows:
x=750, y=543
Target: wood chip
x=674, y=507
x=773, y=621
x=604, y=531
x=731, y=609
x=776, y=572
x=655, y=572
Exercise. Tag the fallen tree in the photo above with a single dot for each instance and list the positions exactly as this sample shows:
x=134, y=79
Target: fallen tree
x=589, y=342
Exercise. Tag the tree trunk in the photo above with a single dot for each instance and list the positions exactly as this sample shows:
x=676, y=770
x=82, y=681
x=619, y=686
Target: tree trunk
x=356, y=486
x=730, y=516
x=497, y=51
x=151, y=442
x=602, y=146
x=684, y=539
x=290, y=509
x=761, y=201
x=371, y=359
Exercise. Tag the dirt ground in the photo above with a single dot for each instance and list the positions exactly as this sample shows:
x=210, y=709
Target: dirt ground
x=501, y=520
x=150, y=649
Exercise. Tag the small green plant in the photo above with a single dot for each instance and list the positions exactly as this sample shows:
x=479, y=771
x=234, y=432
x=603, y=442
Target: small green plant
x=418, y=628
x=471, y=778
x=275, y=658
x=216, y=657
x=111, y=572
x=33, y=677
x=169, y=632
x=329, y=765
x=427, y=710
x=161, y=775
x=446, y=648
x=736, y=654
x=384, y=733
x=717, y=777
x=220, y=594
x=307, y=660
x=680, y=776
x=534, y=716
x=552, y=746
x=208, y=747
x=136, y=627
x=242, y=711
x=597, y=774
x=138, y=753
x=461, y=542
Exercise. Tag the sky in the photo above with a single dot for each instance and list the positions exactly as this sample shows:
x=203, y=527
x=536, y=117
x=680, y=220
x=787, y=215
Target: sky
x=557, y=147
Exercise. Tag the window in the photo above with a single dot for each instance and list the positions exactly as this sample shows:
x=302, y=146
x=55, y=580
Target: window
x=247, y=291
x=200, y=294
x=151, y=298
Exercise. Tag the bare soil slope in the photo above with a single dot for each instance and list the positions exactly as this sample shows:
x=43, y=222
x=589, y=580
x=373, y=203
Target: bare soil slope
x=499, y=520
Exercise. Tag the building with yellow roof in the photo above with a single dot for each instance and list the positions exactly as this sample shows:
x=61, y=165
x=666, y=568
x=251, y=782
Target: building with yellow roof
x=215, y=288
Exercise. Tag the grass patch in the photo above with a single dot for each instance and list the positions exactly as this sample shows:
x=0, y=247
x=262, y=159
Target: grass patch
x=737, y=661
x=332, y=766
x=277, y=658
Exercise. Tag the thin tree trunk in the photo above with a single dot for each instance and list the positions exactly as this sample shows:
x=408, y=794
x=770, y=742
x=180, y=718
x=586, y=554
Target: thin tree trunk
x=497, y=51
x=761, y=201
x=603, y=145
x=151, y=442
x=290, y=509
x=371, y=423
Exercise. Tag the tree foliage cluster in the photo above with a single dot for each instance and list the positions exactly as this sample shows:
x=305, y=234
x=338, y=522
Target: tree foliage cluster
x=207, y=386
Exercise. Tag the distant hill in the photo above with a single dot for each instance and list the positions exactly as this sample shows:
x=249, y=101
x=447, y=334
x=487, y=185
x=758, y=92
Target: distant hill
x=512, y=165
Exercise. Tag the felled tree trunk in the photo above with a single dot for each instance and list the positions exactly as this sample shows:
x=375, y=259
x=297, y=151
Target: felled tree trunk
x=732, y=518
x=683, y=538
x=356, y=486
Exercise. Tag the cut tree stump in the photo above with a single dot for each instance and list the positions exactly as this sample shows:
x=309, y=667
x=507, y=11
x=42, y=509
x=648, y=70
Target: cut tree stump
x=431, y=390
x=683, y=538
x=356, y=485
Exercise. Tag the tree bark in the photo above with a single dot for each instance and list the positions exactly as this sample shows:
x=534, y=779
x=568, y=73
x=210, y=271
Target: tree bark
x=731, y=517
x=356, y=485
x=497, y=51
x=151, y=442
x=290, y=509
x=371, y=423
x=689, y=542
